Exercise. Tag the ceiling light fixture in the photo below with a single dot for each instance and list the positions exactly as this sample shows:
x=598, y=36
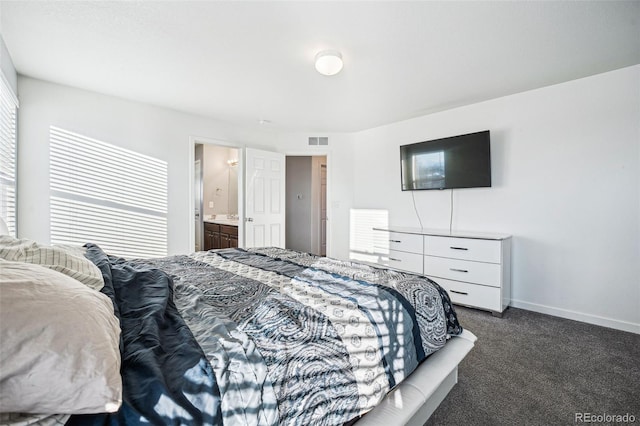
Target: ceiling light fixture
x=329, y=62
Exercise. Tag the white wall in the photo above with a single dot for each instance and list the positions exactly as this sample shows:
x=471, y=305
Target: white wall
x=6, y=66
x=150, y=130
x=158, y=132
x=219, y=180
x=566, y=185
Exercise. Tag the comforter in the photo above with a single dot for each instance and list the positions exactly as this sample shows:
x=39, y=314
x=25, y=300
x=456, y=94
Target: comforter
x=265, y=336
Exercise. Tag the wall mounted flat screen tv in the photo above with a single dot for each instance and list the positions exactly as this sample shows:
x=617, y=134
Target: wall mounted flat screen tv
x=455, y=162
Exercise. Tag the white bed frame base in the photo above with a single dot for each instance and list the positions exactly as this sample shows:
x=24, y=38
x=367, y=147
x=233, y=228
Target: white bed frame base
x=412, y=402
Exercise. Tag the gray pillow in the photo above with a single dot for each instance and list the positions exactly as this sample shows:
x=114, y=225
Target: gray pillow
x=69, y=260
x=60, y=344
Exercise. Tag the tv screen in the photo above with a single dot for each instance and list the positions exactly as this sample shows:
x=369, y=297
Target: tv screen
x=456, y=162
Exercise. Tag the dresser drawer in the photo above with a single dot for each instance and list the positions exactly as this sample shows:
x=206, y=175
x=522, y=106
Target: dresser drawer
x=410, y=243
x=411, y=262
x=463, y=270
x=472, y=294
x=464, y=248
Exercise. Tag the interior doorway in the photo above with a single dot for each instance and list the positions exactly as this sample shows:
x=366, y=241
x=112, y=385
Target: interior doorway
x=306, y=204
x=216, y=186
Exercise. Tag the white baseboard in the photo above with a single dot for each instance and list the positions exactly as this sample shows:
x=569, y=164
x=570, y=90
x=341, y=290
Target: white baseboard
x=578, y=316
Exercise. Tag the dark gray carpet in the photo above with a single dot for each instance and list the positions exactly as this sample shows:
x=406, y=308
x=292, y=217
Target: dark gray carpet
x=535, y=369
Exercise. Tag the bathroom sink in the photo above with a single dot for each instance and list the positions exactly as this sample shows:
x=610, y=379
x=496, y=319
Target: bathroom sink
x=222, y=220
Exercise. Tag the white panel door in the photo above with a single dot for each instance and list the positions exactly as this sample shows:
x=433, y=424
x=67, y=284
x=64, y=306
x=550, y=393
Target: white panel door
x=197, y=196
x=264, y=199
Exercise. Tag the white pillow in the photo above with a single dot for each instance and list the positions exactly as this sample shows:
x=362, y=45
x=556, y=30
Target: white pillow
x=4, y=229
x=70, y=261
x=60, y=344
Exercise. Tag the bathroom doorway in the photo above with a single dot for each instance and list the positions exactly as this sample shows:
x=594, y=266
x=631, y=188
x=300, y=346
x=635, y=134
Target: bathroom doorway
x=216, y=196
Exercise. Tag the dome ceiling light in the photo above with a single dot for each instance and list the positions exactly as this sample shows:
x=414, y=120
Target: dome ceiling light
x=329, y=62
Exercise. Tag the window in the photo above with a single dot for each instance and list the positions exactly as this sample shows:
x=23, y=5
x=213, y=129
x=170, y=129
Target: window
x=8, y=118
x=107, y=195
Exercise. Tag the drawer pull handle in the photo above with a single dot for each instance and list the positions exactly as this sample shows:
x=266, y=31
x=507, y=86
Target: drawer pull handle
x=459, y=292
x=395, y=241
x=395, y=260
x=458, y=248
x=458, y=270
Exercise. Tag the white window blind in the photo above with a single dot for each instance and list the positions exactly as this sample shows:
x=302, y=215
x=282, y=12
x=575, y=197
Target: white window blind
x=365, y=243
x=8, y=118
x=107, y=195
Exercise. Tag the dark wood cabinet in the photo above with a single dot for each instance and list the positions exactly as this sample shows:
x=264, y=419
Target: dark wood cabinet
x=218, y=236
x=211, y=236
x=228, y=236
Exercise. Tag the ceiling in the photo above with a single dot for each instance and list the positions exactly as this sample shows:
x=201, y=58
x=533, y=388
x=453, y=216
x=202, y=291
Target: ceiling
x=242, y=62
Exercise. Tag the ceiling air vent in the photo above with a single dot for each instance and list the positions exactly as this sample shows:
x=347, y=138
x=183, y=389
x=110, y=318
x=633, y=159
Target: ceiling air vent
x=318, y=140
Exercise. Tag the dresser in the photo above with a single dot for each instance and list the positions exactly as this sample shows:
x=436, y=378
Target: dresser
x=474, y=268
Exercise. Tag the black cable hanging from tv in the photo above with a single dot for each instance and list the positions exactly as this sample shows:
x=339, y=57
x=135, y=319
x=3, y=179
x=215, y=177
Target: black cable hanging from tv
x=451, y=213
x=416, y=208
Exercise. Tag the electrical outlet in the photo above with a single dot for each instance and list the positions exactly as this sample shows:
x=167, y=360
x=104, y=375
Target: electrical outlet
x=210, y=204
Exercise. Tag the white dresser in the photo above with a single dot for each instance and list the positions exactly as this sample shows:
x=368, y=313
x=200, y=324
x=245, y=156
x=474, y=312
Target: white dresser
x=474, y=268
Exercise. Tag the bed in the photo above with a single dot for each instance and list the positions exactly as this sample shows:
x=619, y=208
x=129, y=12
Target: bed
x=261, y=336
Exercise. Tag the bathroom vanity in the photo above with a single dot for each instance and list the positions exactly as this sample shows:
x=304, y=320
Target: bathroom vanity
x=220, y=233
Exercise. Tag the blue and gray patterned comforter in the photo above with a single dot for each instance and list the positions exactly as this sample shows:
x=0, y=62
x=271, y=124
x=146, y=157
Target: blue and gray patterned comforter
x=266, y=336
